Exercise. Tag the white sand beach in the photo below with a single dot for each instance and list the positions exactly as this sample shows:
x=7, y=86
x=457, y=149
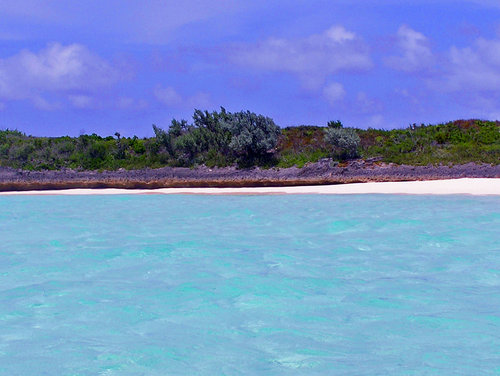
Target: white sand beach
x=466, y=186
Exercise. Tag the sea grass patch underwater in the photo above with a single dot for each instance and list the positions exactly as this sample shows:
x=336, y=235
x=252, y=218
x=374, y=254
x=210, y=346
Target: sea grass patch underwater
x=293, y=285
x=246, y=139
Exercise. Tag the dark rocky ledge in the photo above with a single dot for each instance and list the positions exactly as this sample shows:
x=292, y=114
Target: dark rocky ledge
x=322, y=172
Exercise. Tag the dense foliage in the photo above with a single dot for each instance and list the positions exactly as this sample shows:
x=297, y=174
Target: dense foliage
x=455, y=142
x=221, y=138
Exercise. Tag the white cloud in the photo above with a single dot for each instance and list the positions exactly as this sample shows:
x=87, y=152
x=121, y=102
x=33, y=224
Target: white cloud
x=475, y=68
x=339, y=34
x=471, y=75
x=55, y=69
x=93, y=102
x=127, y=103
x=312, y=59
x=81, y=101
x=334, y=92
x=170, y=96
x=45, y=105
x=416, y=54
x=367, y=105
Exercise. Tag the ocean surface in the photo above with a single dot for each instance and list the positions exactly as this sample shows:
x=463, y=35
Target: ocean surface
x=249, y=285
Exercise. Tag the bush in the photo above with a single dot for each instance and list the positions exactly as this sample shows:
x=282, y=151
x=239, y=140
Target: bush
x=344, y=142
x=252, y=136
x=219, y=138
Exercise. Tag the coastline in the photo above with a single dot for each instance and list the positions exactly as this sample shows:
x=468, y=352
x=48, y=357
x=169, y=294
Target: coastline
x=321, y=173
x=463, y=186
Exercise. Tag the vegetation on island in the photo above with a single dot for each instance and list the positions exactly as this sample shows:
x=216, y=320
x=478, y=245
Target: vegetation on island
x=221, y=138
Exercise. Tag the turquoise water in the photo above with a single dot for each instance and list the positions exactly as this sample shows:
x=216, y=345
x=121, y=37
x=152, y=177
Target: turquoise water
x=249, y=285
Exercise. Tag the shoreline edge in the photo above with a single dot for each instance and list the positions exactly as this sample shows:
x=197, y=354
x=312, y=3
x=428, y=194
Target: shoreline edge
x=462, y=186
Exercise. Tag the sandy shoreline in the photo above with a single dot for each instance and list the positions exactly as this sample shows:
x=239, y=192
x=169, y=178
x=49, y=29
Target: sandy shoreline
x=322, y=173
x=465, y=186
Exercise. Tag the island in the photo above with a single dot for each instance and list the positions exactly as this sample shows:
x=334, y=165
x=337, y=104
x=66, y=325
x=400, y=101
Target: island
x=243, y=149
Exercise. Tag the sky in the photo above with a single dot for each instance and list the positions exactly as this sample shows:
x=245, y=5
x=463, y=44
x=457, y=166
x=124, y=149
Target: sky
x=74, y=67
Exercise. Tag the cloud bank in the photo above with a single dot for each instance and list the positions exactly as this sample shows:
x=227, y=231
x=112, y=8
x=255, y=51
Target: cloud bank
x=70, y=70
x=312, y=59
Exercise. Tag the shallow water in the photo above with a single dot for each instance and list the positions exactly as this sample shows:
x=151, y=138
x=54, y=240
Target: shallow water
x=240, y=285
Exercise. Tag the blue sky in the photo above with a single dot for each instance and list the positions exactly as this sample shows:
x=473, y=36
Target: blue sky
x=69, y=67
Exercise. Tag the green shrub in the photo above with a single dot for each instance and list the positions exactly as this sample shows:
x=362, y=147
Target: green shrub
x=345, y=142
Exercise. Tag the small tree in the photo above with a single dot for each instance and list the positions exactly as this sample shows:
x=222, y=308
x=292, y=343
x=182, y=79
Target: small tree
x=344, y=141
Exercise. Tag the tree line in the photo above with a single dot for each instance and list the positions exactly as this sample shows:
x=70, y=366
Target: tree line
x=222, y=138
